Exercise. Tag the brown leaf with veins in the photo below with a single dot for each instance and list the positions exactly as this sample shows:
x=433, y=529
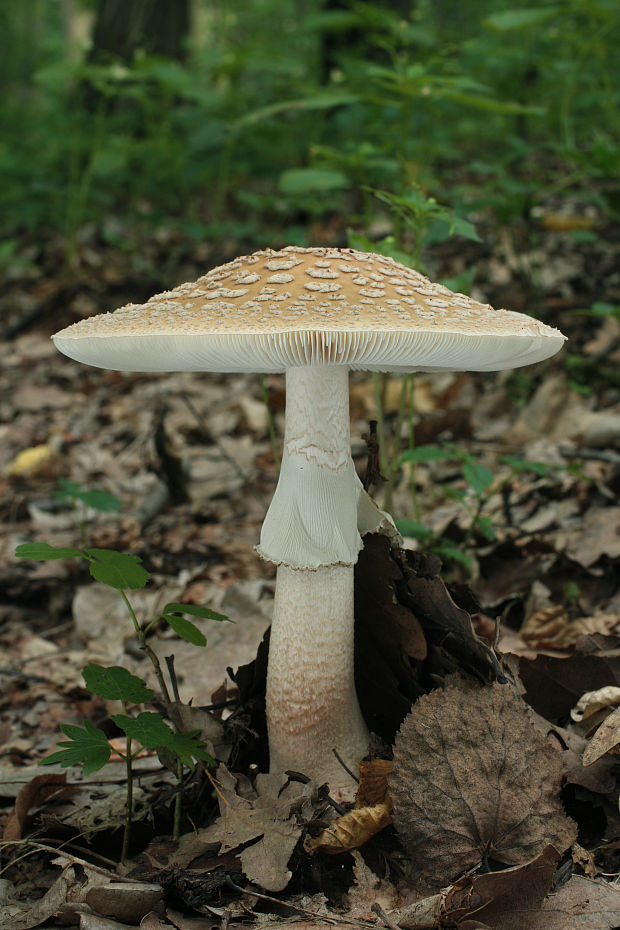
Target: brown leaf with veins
x=472, y=780
x=581, y=904
x=264, y=827
x=499, y=898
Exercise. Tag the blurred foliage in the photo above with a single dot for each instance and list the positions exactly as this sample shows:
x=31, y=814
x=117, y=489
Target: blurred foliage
x=283, y=113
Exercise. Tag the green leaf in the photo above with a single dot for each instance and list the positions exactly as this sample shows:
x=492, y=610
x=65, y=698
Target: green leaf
x=523, y=465
x=68, y=490
x=43, y=552
x=189, y=746
x=116, y=683
x=194, y=610
x=512, y=20
x=449, y=550
x=150, y=730
x=323, y=101
x=462, y=227
x=414, y=529
x=86, y=746
x=117, y=569
x=299, y=181
x=100, y=500
x=186, y=629
x=478, y=477
x=71, y=491
x=485, y=525
x=427, y=454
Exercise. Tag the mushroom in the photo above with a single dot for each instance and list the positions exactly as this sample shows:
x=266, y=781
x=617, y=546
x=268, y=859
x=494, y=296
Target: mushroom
x=315, y=314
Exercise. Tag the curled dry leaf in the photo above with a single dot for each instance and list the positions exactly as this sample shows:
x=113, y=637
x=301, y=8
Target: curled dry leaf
x=593, y=701
x=372, y=812
x=606, y=739
x=552, y=628
x=473, y=780
x=352, y=830
x=36, y=792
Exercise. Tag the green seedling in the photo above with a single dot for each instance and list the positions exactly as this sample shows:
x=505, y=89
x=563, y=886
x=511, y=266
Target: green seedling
x=80, y=498
x=87, y=745
x=481, y=483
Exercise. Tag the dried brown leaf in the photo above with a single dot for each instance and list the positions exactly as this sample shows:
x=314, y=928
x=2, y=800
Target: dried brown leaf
x=494, y=898
x=472, y=778
x=352, y=830
x=581, y=904
x=554, y=685
x=24, y=916
x=31, y=795
x=552, y=628
x=593, y=701
x=373, y=784
x=499, y=898
x=586, y=860
x=606, y=738
x=267, y=820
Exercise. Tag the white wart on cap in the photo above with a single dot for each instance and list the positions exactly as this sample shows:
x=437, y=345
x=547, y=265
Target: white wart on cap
x=270, y=311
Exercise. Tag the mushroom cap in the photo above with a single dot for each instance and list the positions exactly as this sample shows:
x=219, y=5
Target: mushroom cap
x=270, y=311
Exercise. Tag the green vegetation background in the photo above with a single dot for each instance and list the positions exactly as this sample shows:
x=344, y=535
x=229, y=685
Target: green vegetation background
x=278, y=115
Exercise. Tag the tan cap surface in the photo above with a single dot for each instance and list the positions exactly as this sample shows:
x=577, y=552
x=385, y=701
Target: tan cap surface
x=272, y=310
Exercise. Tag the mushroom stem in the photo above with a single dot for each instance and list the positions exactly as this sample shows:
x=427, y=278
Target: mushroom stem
x=312, y=706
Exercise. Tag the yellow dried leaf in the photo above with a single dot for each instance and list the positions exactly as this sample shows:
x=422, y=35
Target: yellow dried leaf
x=352, y=830
x=32, y=461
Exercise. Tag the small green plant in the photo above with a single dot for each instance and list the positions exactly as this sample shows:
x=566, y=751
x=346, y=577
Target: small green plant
x=87, y=745
x=80, y=498
x=481, y=483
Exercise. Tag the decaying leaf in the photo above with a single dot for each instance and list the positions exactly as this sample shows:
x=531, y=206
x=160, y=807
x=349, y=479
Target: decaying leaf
x=40, y=789
x=593, y=701
x=373, y=784
x=25, y=915
x=495, y=899
x=585, y=859
x=472, y=780
x=499, y=899
x=554, y=685
x=552, y=628
x=581, y=904
x=266, y=819
x=368, y=889
x=352, y=830
x=372, y=812
x=606, y=738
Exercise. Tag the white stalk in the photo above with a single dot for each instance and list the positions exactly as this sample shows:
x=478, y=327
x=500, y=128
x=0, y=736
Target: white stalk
x=312, y=706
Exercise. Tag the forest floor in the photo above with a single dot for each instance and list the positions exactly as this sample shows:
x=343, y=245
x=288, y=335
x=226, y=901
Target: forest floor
x=190, y=459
